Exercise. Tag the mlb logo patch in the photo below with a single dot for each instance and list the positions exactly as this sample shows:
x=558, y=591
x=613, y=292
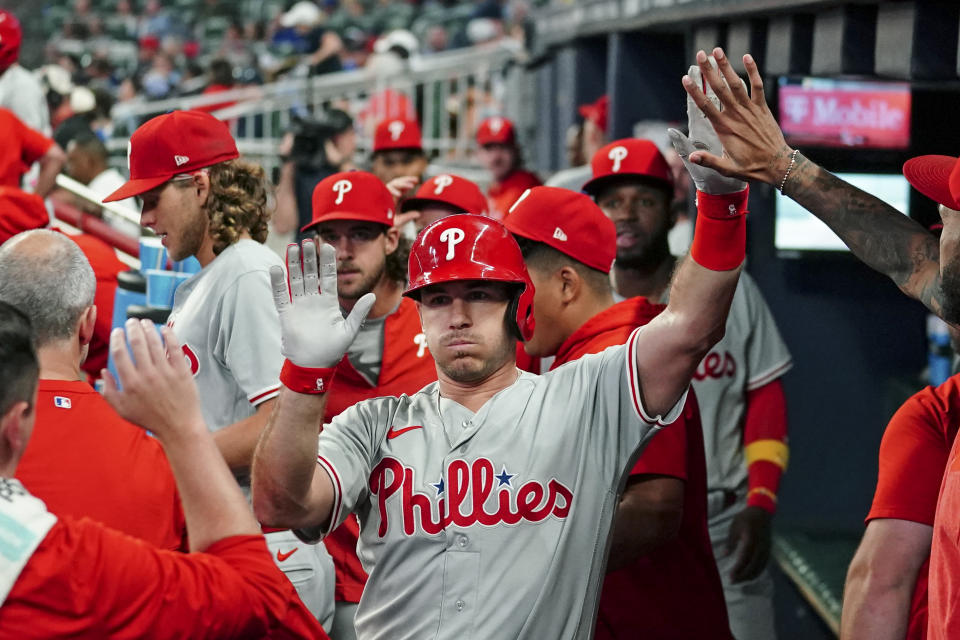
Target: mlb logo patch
x=61, y=402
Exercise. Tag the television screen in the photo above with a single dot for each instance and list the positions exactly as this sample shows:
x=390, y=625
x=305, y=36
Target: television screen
x=798, y=230
x=845, y=113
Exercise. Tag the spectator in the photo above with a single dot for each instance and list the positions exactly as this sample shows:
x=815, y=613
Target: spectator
x=303, y=35
x=227, y=587
x=87, y=164
x=83, y=104
x=111, y=471
x=500, y=155
x=19, y=90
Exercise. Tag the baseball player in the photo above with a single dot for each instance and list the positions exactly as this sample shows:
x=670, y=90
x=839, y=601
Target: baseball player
x=354, y=213
x=110, y=584
x=398, y=150
x=499, y=153
x=660, y=556
x=20, y=91
x=204, y=202
x=738, y=388
x=484, y=504
x=444, y=195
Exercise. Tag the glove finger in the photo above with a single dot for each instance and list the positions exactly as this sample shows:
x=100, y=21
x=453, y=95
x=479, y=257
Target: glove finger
x=328, y=269
x=281, y=292
x=294, y=271
x=359, y=313
x=310, y=276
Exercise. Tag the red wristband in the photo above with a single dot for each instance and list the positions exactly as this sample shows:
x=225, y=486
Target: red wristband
x=720, y=235
x=305, y=379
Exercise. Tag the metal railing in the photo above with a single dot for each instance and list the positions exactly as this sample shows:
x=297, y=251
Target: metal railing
x=448, y=92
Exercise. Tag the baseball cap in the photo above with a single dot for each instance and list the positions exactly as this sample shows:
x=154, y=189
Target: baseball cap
x=449, y=189
x=303, y=13
x=935, y=177
x=399, y=133
x=629, y=157
x=20, y=211
x=496, y=130
x=10, y=38
x=174, y=143
x=598, y=111
x=568, y=221
x=352, y=195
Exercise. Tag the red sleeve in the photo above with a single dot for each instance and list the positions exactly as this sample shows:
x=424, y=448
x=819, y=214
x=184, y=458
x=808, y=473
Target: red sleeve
x=913, y=456
x=765, y=428
x=33, y=144
x=114, y=583
x=667, y=452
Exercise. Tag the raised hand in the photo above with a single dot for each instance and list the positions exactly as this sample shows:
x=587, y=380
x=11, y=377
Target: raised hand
x=314, y=332
x=158, y=389
x=753, y=145
x=702, y=137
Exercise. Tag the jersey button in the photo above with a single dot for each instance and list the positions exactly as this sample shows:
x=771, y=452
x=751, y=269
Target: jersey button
x=460, y=605
x=465, y=424
x=462, y=541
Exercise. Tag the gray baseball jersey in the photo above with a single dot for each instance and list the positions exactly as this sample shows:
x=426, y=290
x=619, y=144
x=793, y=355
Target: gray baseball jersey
x=750, y=355
x=226, y=320
x=494, y=524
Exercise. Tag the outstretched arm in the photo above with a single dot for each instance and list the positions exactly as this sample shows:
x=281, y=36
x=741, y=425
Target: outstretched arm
x=288, y=488
x=754, y=149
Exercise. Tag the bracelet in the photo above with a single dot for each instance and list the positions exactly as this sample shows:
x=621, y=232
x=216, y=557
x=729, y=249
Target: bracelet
x=306, y=379
x=793, y=160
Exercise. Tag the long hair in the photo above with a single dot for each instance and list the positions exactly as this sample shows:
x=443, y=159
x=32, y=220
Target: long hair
x=237, y=203
x=397, y=261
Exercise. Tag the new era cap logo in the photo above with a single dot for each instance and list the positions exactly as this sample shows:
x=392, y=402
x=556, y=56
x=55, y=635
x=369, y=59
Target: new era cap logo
x=342, y=187
x=396, y=128
x=496, y=124
x=181, y=160
x=558, y=234
x=617, y=154
x=441, y=182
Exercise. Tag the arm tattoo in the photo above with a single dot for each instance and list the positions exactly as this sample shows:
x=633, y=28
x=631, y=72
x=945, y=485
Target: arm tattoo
x=879, y=235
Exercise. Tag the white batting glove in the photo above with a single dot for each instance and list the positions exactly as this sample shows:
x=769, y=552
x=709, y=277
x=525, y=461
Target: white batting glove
x=703, y=138
x=313, y=331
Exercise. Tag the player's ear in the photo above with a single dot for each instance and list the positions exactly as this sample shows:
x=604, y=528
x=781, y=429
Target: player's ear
x=16, y=426
x=392, y=236
x=88, y=319
x=570, y=283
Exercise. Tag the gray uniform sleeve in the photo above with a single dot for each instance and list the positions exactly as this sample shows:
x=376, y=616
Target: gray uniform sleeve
x=248, y=338
x=767, y=355
x=345, y=451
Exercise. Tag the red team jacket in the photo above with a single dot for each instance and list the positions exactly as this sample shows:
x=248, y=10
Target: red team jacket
x=502, y=195
x=654, y=593
x=407, y=367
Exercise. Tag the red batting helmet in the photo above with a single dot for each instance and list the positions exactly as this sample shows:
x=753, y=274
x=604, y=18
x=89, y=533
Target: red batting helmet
x=472, y=247
x=10, y=36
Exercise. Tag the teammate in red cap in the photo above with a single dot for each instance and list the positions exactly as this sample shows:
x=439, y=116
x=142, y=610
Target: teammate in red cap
x=483, y=486
x=354, y=213
x=20, y=91
x=500, y=154
x=444, y=195
x=738, y=385
x=660, y=556
x=203, y=201
x=398, y=150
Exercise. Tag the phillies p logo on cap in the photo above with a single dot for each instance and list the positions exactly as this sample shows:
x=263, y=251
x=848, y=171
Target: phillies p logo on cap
x=441, y=182
x=396, y=128
x=617, y=154
x=342, y=187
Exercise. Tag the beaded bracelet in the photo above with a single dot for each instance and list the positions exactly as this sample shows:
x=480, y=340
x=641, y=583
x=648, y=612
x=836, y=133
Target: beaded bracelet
x=793, y=160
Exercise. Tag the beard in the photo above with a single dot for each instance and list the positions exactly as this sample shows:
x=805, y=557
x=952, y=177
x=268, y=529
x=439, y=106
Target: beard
x=648, y=252
x=364, y=285
x=190, y=238
x=468, y=367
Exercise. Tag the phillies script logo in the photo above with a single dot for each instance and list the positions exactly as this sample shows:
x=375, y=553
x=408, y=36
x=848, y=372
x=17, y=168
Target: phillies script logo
x=716, y=366
x=461, y=498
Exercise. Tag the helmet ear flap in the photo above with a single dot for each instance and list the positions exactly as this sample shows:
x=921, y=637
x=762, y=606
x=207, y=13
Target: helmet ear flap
x=512, y=315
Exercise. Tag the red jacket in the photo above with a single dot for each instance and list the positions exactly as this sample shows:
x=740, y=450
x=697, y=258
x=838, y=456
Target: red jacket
x=407, y=367
x=502, y=195
x=655, y=594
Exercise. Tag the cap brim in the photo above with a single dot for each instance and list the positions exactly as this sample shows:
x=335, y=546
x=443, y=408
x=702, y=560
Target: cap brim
x=135, y=188
x=930, y=175
x=352, y=216
x=593, y=186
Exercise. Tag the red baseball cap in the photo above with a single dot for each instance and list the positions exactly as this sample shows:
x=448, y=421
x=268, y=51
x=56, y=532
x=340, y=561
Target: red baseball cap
x=598, y=111
x=20, y=211
x=496, y=130
x=449, y=189
x=569, y=222
x=10, y=38
x=398, y=133
x=174, y=143
x=935, y=177
x=629, y=157
x=352, y=195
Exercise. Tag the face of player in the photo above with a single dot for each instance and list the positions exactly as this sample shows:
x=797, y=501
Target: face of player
x=362, y=250
x=499, y=159
x=643, y=219
x=950, y=264
x=174, y=211
x=547, y=335
x=465, y=326
x=397, y=163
